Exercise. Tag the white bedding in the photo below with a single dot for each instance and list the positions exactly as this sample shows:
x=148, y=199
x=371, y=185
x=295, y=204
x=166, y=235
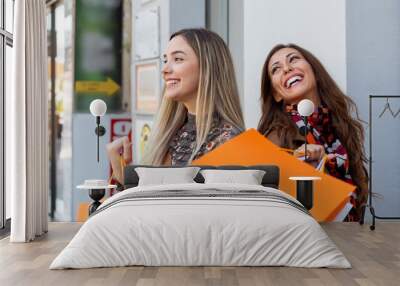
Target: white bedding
x=190, y=230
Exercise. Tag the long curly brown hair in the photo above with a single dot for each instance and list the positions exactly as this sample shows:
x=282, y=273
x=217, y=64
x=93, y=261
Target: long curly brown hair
x=348, y=129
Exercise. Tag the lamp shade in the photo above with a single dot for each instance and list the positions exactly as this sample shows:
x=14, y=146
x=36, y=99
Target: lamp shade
x=305, y=107
x=98, y=107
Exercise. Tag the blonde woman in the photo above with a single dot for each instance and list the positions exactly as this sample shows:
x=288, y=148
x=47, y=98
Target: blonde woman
x=200, y=109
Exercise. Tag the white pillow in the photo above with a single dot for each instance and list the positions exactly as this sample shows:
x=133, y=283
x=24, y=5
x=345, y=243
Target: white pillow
x=163, y=176
x=248, y=177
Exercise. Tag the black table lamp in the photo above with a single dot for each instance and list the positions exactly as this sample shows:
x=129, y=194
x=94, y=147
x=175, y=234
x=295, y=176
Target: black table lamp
x=305, y=109
x=98, y=108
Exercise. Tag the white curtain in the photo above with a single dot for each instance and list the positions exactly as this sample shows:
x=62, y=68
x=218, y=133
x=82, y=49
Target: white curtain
x=27, y=124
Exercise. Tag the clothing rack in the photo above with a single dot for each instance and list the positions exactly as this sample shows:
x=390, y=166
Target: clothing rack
x=370, y=206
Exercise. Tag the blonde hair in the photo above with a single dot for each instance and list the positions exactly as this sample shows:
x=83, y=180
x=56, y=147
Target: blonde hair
x=217, y=95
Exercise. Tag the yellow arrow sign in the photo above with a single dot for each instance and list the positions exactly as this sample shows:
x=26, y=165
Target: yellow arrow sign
x=109, y=86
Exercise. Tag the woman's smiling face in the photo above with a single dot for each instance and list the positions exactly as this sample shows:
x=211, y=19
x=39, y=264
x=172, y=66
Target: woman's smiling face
x=180, y=71
x=292, y=77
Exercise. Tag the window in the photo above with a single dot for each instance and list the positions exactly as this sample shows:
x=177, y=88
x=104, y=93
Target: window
x=6, y=44
x=9, y=15
x=60, y=41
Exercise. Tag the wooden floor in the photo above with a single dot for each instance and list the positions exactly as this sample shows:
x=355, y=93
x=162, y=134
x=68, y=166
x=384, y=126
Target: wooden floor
x=375, y=257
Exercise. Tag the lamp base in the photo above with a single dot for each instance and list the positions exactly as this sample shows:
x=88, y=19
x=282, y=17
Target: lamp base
x=96, y=195
x=100, y=130
x=305, y=193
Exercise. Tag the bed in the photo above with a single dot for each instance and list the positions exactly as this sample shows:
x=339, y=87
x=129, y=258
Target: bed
x=201, y=224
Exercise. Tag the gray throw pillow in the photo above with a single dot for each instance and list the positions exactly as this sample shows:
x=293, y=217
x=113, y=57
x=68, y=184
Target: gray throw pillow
x=163, y=176
x=248, y=177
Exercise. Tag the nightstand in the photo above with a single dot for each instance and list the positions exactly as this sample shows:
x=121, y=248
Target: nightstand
x=96, y=193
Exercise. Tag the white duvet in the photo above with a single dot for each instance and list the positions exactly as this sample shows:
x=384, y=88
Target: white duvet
x=183, y=231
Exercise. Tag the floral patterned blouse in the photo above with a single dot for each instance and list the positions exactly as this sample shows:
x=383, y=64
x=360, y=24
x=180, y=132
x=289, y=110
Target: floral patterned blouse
x=184, y=141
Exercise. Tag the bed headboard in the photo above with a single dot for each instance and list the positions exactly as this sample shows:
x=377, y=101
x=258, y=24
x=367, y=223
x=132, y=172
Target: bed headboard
x=270, y=179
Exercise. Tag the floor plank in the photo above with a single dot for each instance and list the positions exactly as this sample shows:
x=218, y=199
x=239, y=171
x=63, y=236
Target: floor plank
x=374, y=255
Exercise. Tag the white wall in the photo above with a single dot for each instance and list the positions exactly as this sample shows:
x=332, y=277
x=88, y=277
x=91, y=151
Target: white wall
x=373, y=68
x=235, y=41
x=318, y=26
x=373, y=49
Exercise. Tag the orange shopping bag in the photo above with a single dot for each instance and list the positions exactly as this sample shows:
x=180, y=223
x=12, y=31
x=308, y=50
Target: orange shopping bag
x=252, y=148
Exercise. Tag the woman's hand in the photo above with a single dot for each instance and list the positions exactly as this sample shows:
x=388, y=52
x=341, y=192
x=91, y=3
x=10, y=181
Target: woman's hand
x=118, y=147
x=314, y=152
